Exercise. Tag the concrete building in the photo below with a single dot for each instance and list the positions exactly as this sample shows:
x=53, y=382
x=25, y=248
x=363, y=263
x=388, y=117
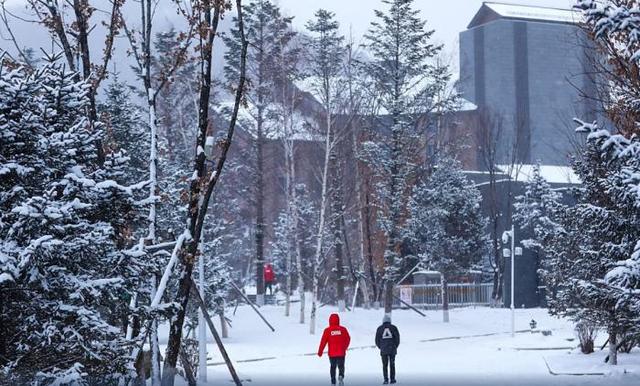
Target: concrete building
x=527, y=66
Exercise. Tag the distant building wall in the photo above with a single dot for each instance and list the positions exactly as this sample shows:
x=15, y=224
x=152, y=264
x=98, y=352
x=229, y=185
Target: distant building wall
x=531, y=74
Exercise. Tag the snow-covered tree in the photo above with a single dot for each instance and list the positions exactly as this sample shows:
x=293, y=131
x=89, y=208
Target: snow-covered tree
x=446, y=224
x=601, y=270
x=65, y=224
x=126, y=130
x=326, y=55
x=540, y=214
x=265, y=27
x=289, y=72
x=405, y=79
x=597, y=263
x=202, y=181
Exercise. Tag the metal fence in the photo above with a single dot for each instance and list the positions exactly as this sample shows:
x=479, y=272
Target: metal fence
x=429, y=296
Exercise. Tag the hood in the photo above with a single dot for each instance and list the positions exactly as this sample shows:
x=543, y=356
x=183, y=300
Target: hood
x=334, y=320
x=386, y=318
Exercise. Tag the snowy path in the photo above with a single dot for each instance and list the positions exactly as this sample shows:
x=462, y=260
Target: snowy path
x=474, y=349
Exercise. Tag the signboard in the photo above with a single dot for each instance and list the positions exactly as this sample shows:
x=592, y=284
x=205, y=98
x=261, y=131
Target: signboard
x=405, y=294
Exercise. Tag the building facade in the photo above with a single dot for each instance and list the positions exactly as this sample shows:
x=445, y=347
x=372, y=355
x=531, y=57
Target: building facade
x=529, y=67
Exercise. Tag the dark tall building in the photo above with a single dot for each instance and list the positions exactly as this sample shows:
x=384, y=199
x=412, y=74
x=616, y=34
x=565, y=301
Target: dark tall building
x=527, y=66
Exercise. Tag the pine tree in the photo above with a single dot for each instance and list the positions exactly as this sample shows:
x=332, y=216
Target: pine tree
x=177, y=106
x=596, y=260
x=602, y=269
x=446, y=223
x=589, y=260
x=65, y=228
x=326, y=55
x=540, y=213
x=125, y=130
x=264, y=28
x=405, y=82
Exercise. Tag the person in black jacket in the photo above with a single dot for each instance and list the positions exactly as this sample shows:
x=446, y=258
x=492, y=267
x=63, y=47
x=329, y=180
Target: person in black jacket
x=388, y=340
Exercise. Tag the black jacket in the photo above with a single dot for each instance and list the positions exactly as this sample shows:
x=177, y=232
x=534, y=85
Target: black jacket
x=387, y=339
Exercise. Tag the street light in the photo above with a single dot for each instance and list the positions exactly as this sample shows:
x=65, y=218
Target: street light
x=513, y=251
x=202, y=329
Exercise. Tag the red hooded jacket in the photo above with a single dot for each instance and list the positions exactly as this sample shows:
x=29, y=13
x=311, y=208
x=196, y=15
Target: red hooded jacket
x=336, y=336
x=269, y=275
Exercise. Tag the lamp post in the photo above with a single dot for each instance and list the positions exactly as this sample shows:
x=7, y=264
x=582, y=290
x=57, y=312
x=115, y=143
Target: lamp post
x=513, y=251
x=202, y=327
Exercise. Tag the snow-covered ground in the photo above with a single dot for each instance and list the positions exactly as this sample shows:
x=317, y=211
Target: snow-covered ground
x=475, y=348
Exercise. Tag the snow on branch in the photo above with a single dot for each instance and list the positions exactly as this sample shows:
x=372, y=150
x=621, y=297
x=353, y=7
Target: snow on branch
x=608, y=18
x=186, y=235
x=77, y=176
x=618, y=144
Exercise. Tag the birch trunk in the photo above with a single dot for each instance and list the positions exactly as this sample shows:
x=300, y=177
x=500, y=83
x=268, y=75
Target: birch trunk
x=297, y=247
x=361, y=231
x=300, y=281
x=259, y=213
x=154, y=345
x=314, y=304
x=321, y=223
x=289, y=189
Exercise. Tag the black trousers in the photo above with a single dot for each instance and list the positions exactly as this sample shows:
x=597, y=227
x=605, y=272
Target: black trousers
x=339, y=363
x=268, y=286
x=388, y=365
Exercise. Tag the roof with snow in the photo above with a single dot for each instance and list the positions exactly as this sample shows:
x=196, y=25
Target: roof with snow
x=493, y=11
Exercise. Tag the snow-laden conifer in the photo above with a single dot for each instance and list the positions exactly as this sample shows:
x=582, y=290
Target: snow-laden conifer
x=65, y=223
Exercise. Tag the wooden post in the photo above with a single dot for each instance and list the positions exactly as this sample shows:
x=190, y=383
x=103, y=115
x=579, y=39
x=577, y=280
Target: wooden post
x=252, y=305
x=214, y=332
x=410, y=306
x=355, y=295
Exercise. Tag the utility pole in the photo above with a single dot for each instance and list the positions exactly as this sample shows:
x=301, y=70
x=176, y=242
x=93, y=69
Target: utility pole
x=202, y=327
x=512, y=252
x=202, y=323
x=513, y=271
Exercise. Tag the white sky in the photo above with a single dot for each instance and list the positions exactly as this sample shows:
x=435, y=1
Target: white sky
x=447, y=17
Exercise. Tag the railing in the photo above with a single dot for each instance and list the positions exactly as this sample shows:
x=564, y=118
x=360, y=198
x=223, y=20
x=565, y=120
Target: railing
x=430, y=295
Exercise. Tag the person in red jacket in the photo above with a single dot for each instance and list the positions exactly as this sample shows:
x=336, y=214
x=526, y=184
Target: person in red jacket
x=269, y=278
x=338, y=339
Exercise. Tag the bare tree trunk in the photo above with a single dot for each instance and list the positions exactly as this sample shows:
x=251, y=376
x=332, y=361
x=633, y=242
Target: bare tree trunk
x=445, y=298
x=295, y=230
x=199, y=199
x=321, y=222
x=224, y=327
x=81, y=9
x=369, y=242
x=291, y=212
x=337, y=213
x=155, y=346
x=300, y=278
x=613, y=347
x=361, y=226
x=259, y=213
x=61, y=33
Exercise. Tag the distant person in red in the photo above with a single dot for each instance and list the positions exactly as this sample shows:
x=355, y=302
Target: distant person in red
x=269, y=278
x=338, y=339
